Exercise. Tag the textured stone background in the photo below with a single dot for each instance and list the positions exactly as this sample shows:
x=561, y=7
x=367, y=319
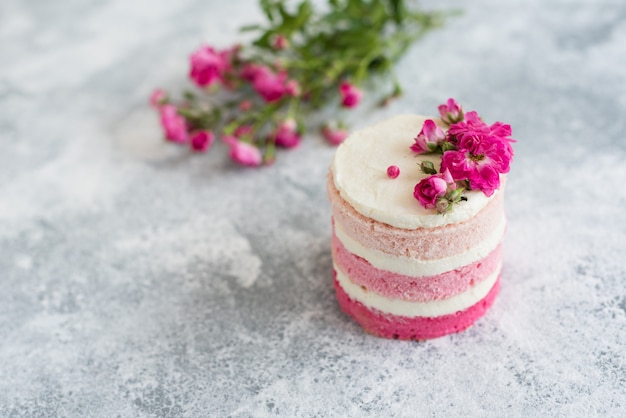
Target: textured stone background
x=139, y=280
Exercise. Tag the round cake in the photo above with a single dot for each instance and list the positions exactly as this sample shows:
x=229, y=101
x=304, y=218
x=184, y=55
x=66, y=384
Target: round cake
x=403, y=268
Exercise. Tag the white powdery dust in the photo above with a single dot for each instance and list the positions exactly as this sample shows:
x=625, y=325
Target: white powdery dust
x=84, y=176
x=139, y=135
x=24, y=261
x=212, y=241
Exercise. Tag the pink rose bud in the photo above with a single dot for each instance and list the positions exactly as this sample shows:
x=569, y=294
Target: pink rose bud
x=428, y=190
x=429, y=138
x=251, y=71
x=201, y=140
x=242, y=131
x=442, y=204
x=393, y=171
x=245, y=105
x=292, y=88
x=334, y=136
x=229, y=140
x=451, y=112
x=207, y=66
x=280, y=42
x=350, y=95
x=229, y=55
x=158, y=98
x=174, y=125
x=287, y=135
x=270, y=86
x=242, y=152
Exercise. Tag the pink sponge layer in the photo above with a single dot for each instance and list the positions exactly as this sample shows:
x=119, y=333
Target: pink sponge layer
x=421, y=243
x=414, y=289
x=417, y=328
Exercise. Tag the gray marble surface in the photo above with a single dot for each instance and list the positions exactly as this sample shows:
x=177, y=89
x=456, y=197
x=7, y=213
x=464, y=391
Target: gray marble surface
x=139, y=280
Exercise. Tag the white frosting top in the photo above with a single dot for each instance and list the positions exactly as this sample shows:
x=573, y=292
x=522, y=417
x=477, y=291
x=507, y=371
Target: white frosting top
x=359, y=171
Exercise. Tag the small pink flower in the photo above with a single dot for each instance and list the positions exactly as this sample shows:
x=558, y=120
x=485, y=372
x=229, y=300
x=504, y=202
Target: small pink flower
x=429, y=138
x=229, y=56
x=242, y=131
x=208, y=66
x=229, y=140
x=334, y=136
x=350, y=95
x=269, y=85
x=280, y=42
x=480, y=159
x=157, y=98
x=483, y=152
x=292, y=88
x=245, y=105
x=393, y=171
x=287, y=135
x=242, y=152
x=451, y=112
x=174, y=125
x=428, y=190
x=250, y=71
x=201, y=140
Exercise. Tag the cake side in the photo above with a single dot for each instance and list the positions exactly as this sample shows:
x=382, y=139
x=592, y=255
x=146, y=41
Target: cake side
x=411, y=288
x=424, y=294
x=411, y=309
x=417, y=229
x=416, y=328
x=420, y=243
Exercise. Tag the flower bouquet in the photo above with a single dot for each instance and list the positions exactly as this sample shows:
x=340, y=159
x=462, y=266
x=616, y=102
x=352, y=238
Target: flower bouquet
x=261, y=96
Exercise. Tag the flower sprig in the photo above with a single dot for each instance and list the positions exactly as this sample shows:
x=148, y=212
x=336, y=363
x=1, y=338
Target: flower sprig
x=473, y=156
x=259, y=96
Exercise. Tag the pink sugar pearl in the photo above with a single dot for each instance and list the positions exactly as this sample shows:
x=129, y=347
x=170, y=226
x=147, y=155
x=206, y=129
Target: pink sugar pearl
x=393, y=171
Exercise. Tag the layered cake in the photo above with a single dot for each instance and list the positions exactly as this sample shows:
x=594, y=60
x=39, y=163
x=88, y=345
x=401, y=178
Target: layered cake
x=418, y=220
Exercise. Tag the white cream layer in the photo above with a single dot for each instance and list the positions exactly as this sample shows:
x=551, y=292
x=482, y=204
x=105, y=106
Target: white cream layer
x=414, y=309
x=359, y=171
x=416, y=268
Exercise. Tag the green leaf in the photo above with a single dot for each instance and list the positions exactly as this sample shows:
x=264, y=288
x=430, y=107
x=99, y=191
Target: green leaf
x=398, y=10
x=264, y=40
x=190, y=96
x=455, y=195
x=187, y=113
x=305, y=11
x=269, y=8
x=250, y=28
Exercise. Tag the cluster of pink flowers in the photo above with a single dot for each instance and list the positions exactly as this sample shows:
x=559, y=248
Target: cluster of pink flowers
x=255, y=124
x=474, y=155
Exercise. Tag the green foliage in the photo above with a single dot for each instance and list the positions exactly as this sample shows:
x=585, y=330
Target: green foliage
x=354, y=39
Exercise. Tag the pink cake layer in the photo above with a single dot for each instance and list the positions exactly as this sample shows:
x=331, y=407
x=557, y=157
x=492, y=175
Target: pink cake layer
x=417, y=328
x=421, y=243
x=414, y=289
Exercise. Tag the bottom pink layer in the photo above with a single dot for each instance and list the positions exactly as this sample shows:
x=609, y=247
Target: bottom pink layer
x=418, y=328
